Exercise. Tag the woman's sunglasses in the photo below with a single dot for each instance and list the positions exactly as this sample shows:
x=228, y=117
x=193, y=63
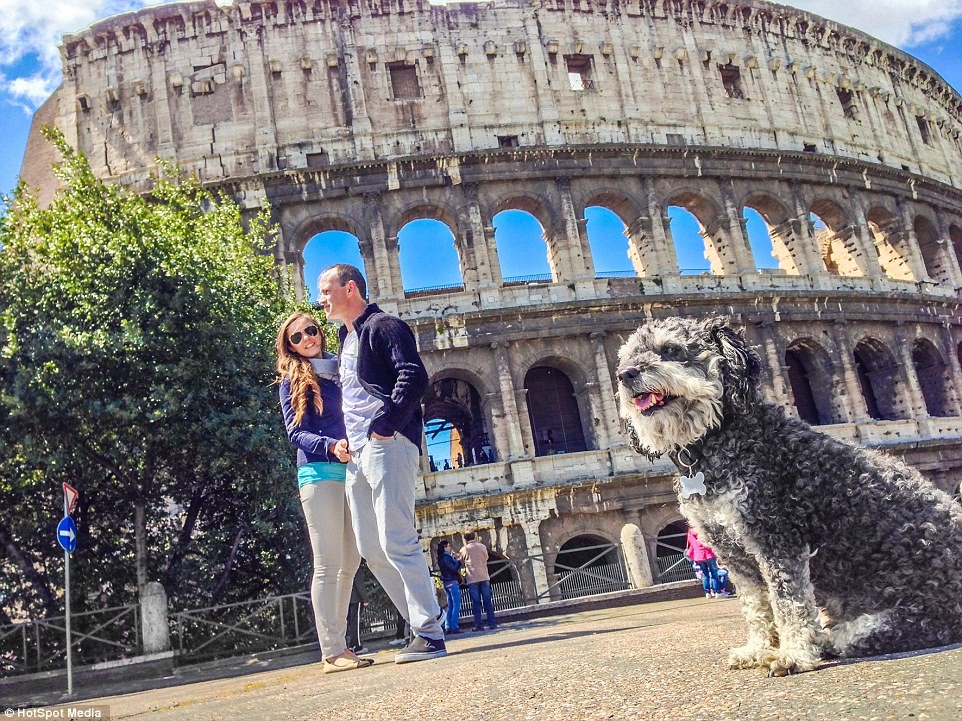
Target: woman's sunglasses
x=297, y=337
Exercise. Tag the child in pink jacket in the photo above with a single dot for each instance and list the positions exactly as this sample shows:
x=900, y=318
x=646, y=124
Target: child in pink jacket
x=703, y=557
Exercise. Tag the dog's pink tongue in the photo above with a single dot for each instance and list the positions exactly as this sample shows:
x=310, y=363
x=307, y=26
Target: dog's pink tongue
x=647, y=400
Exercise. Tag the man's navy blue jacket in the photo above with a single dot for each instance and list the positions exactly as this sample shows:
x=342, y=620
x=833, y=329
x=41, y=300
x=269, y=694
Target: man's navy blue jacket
x=390, y=369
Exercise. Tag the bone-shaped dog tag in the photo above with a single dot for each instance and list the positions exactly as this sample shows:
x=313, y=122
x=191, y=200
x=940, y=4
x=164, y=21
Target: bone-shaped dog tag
x=692, y=484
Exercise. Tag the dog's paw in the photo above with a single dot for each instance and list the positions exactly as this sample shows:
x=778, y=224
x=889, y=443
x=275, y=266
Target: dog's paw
x=784, y=663
x=747, y=656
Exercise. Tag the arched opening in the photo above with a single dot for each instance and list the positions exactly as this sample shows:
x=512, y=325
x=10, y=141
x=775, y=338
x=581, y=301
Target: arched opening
x=553, y=412
x=428, y=238
x=609, y=244
x=933, y=374
x=932, y=248
x=455, y=426
x=326, y=249
x=670, y=554
x=688, y=237
x=890, y=244
x=522, y=248
x=761, y=241
x=882, y=388
x=587, y=565
x=836, y=239
x=955, y=237
x=810, y=377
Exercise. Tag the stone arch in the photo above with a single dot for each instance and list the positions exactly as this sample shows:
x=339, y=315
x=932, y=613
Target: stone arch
x=556, y=412
x=672, y=564
x=955, y=238
x=523, y=249
x=506, y=589
x=612, y=253
x=622, y=205
x=587, y=563
x=303, y=232
x=428, y=229
x=890, y=242
x=883, y=389
x=709, y=214
x=530, y=203
x=933, y=250
x=782, y=232
x=934, y=378
x=837, y=241
x=455, y=397
x=312, y=241
x=812, y=380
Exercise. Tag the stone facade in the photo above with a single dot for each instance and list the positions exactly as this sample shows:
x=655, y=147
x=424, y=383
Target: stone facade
x=361, y=116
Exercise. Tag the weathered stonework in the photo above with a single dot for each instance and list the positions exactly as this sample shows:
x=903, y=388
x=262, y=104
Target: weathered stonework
x=363, y=116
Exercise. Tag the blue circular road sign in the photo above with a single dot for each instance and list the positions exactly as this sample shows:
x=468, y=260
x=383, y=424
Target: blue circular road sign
x=67, y=534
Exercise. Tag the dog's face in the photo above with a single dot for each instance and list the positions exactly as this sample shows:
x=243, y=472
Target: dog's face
x=678, y=377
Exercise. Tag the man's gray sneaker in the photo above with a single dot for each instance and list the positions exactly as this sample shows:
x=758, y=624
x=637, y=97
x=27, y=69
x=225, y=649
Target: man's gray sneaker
x=421, y=649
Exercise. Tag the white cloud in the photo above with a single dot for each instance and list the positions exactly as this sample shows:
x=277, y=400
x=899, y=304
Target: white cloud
x=30, y=30
x=904, y=23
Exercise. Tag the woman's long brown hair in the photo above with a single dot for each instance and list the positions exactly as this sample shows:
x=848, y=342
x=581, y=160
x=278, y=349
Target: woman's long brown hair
x=291, y=364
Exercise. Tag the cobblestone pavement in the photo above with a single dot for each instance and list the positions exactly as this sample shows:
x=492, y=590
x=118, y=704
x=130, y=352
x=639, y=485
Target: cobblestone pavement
x=659, y=661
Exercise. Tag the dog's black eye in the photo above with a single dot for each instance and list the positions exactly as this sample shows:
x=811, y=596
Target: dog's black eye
x=672, y=351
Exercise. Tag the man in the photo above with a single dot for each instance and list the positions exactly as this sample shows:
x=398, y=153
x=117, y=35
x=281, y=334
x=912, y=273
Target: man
x=382, y=381
x=475, y=557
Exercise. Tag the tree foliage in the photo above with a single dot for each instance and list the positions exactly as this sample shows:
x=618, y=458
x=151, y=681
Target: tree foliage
x=136, y=363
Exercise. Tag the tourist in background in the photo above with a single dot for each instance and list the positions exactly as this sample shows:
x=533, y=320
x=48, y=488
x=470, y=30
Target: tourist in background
x=311, y=403
x=449, y=568
x=357, y=603
x=703, y=557
x=475, y=557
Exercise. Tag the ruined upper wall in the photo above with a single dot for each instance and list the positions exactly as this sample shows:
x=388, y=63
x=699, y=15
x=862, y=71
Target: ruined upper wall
x=276, y=86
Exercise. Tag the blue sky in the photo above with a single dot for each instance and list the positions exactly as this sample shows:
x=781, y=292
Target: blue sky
x=931, y=30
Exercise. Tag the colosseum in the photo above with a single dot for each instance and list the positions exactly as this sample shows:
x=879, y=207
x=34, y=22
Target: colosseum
x=361, y=116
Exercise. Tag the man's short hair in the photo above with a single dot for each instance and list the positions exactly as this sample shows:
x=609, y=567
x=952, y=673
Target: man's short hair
x=469, y=536
x=345, y=272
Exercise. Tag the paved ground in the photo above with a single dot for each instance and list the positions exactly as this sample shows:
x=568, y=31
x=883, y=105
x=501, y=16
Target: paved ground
x=658, y=661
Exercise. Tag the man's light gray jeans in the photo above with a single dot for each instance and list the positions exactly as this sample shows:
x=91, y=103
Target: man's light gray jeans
x=380, y=493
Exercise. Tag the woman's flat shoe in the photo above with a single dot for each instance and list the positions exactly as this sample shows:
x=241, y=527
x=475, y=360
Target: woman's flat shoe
x=342, y=663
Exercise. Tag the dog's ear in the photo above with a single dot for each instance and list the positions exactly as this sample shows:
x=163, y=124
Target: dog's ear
x=635, y=442
x=741, y=367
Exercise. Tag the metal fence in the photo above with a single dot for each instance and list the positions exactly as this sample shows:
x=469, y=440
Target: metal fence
x=246, y=627
x=286, y=621
x=106, y=634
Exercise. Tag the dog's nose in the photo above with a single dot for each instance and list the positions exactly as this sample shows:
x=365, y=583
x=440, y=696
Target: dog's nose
x=628, y=375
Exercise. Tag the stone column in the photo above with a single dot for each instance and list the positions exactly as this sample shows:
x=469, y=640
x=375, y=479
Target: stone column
x=774, y=362
x=913, y=253
x=534, y=572
x=954, y=365
x=636, y=556
x=916, y=399
x=864, y=242
x=477, y=235
x=382, y=280
x=664, y=259
x=852, y=406
x=735, y=235
x=155, y=629
x=515, y=445
x=948, y=252
x=539, y=63
x=606, y=389
x=807, y=245
x=262, y=102
x=458, y=119
x=578, y=248
x=597, y=429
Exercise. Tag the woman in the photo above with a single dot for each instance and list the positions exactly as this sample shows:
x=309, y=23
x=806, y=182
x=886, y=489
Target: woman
x=311, y=401
x=450, y=569
x=703, y=557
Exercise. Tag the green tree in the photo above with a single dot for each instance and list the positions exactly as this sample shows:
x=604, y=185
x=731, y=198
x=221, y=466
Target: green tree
x=136, y=363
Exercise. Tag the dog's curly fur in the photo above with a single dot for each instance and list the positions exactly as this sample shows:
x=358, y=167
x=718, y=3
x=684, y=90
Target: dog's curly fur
x=836, y=550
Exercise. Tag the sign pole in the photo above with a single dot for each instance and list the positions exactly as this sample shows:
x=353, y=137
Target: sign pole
x=66, y=565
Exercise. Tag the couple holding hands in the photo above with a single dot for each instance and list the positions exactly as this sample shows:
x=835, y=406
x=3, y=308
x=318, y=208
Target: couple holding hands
x=356, y=421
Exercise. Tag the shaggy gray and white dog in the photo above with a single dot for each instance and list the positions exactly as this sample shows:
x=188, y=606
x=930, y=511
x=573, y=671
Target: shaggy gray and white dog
x=836, y=550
